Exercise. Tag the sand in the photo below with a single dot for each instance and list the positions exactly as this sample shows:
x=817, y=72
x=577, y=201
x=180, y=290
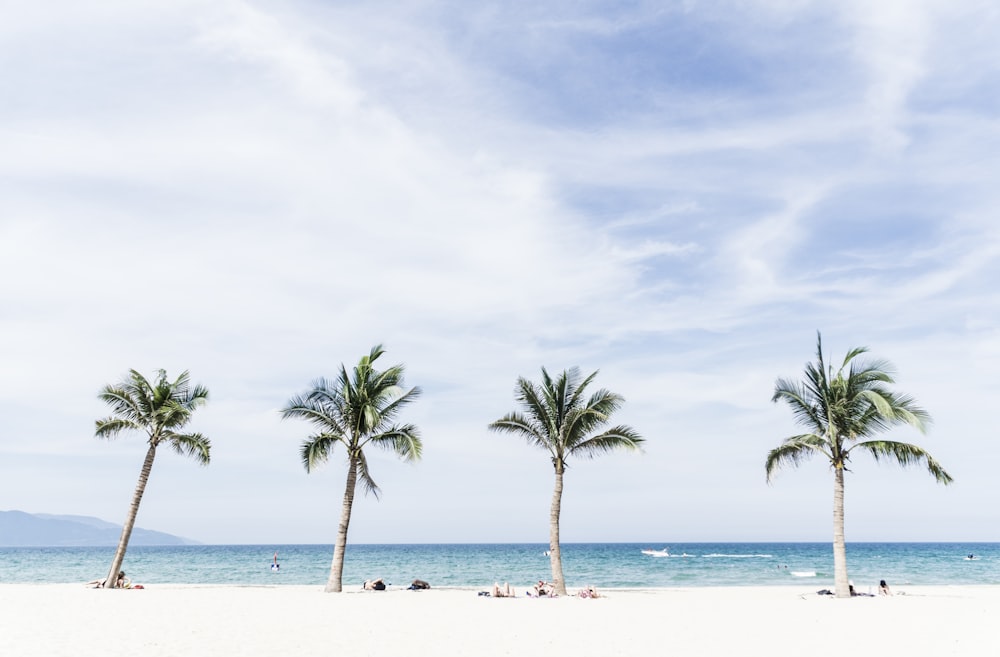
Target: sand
x=162, y=620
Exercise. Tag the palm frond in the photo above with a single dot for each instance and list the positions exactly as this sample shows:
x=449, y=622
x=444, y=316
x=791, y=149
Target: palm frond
x=122, y=401
x=344, y=381
x=403, y=440
x=316, y=450
x=374, y=353
x=906, y=410
x=535, y=403
x=579, y=388
x=364, y=475
x=172, y=414
x=549, y=392
x=794, y=450
x=314, y=411
x=804, y=403
x=392, y=407
x=905, y=455
x=620, y=437
x=194, y=445
x=110, y=427
x=852, y=354
x=525, y=427
x=387, y=379
x=195, y=398
x=579, y=421
x=140, y=389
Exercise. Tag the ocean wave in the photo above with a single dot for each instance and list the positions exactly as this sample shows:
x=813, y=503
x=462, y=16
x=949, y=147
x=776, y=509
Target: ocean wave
x=738, y=556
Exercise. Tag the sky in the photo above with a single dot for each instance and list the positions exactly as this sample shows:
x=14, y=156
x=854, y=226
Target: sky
x=678, y=195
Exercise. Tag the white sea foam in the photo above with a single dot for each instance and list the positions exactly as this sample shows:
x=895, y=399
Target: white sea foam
x=738, y=556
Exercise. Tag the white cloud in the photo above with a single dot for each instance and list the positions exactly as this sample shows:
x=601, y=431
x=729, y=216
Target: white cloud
x=259, y=192
x=891, y=43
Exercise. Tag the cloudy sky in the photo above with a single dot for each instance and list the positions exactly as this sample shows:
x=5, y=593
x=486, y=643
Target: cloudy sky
x=678, y=194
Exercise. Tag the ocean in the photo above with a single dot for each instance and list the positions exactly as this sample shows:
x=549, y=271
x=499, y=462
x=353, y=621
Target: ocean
x=606, y=565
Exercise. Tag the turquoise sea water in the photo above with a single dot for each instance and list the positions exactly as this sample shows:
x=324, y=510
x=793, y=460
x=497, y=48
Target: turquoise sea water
x=609, y=565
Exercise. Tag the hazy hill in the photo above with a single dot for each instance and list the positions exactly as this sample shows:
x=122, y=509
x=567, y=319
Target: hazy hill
x=20, y=529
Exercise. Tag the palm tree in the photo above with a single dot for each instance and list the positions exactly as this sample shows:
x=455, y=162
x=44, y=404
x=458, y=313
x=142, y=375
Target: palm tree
x=559, y=419
x=159, y=409
x=355, y=411
x=843, y=410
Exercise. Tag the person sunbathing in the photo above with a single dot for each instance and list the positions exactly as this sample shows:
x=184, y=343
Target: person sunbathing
x=374, y=584
x=505, y=592
x=544, y=589
x=123, y=582
x=589, y=592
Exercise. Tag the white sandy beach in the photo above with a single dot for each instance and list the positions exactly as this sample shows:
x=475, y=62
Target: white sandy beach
x=171, y=620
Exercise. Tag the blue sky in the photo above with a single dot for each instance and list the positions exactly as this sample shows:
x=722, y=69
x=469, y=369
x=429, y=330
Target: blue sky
x=676, y=194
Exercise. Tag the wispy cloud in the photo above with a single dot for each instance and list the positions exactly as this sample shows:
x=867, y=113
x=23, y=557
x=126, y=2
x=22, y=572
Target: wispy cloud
x=679, y=197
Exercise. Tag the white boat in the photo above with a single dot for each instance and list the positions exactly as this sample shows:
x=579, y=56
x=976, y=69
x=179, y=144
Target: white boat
x=657, y=553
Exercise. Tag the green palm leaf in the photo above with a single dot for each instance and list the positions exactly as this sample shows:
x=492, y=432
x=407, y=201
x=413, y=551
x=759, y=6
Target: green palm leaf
x=905, y=455
x=617, y=438
x=365, y=477
x=404, y=441
x=794, y=450
x=531, y=430
x=316, y=450
x=194, y=445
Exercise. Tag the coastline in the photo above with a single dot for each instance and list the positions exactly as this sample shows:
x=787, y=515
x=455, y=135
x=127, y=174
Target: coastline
x=265, y=620
x=616, y=565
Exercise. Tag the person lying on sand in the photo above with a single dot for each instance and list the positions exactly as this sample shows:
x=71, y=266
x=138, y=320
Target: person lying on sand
x=589, y=592
x=121, y=582
x=374, y=585
x=505, y=592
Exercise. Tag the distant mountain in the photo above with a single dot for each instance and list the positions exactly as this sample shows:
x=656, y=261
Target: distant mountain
x=20, y=529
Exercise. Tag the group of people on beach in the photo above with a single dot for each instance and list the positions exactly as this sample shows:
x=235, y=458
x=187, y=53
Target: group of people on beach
x=380, y=584
x=883, y=590
x=542, y=589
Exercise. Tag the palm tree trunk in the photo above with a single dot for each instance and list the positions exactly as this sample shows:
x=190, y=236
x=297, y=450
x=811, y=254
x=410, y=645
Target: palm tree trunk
x=555, y=556
x=840, y=581
x=133, y=511
x=335, y=583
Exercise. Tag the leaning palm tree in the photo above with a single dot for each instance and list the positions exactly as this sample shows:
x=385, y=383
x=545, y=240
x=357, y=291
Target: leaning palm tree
x=356, y=410
x=843, y=410
x=559, y=419
x=158, y=409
